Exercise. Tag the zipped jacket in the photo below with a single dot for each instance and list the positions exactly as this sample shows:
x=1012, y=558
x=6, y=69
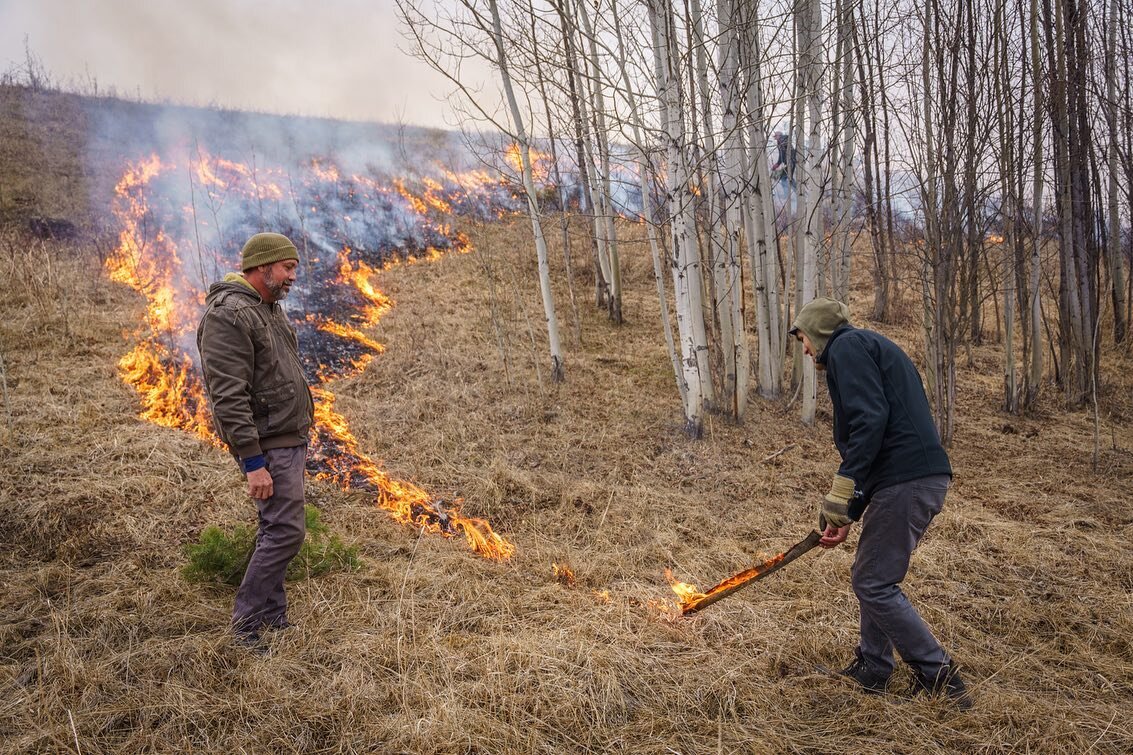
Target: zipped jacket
x=253, y=377
x=883, y=426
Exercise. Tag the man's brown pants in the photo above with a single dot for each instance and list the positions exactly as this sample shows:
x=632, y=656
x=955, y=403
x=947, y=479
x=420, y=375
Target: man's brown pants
x=260, y=601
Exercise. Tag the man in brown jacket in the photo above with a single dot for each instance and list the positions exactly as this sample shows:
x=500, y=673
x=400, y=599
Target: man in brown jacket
x=262, y=409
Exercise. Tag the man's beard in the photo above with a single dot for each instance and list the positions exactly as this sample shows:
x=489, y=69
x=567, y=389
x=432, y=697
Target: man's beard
x=278, y=289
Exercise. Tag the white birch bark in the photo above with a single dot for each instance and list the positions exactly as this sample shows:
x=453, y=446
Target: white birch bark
x=1005, y=113
x=557, y=365
x=591, y=181
x=687, y=282
x=759, y=215
x=646, y=173
x=809, y=200
x=604, y=217
x=841, y=168
x=1113, y=217
x=732, y=199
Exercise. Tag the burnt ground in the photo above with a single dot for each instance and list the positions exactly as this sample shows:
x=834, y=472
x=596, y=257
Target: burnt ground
x=428, y=648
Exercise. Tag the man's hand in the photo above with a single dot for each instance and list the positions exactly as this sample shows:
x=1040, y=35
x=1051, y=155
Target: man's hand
x=836, y=505
x=260, y=486
x=832, y=537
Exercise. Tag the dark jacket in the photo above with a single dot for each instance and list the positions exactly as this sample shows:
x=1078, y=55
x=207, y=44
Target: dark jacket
x=253, y=377
x=882, y=422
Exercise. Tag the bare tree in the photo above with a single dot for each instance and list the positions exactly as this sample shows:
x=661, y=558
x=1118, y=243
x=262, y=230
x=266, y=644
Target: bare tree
x=459, y=37
x=808, y=14
x=1113, y=194
x=758, y=210
x=687, y=281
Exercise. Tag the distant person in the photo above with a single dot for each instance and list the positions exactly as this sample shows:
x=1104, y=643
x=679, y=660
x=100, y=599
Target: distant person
x=786, y=157
x=262, y=409
x=893, y=477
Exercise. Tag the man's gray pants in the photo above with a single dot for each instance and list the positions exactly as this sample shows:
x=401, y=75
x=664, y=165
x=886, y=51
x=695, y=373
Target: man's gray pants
x=260, y=601
x=893, y=524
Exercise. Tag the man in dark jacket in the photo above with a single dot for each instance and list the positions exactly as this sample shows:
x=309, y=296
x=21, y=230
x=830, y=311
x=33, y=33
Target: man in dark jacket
x=893, y=477
x=262, y=409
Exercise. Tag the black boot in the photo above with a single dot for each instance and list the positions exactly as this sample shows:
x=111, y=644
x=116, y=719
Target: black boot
x=945, y=683
x=868, y=677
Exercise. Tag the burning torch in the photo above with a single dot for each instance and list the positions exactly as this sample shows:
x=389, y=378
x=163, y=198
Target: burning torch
x=692, y=600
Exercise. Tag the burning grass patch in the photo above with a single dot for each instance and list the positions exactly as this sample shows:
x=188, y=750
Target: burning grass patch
x=426, y=648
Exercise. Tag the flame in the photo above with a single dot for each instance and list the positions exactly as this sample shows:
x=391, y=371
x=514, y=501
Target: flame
x=325, y=173
x=415, y=202
x=404, y=501
x=358, y=275
x=171, y=395
x=541, y=163
x=688, y=596
x=163, y=371
x=514, y=157
x=686, y=593
x=564, y=575
x=206, y=176
x=432, y=197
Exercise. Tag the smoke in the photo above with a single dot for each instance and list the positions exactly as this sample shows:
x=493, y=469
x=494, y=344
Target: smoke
x=335, y=59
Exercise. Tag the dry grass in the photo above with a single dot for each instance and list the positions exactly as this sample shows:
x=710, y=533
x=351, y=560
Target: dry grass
x=42, y=150
x=1025, y=576
x=429, y=649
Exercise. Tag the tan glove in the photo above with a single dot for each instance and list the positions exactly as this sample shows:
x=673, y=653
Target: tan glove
x=836, y=505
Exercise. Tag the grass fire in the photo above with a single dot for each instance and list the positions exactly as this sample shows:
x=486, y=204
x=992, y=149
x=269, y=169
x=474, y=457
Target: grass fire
x=344, y=251
x=513, y=533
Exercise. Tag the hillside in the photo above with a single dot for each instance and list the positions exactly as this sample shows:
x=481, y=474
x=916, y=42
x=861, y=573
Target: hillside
x=1025, y=576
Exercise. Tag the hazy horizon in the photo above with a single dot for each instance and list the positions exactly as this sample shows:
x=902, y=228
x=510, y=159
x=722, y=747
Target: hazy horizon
x=340, y=59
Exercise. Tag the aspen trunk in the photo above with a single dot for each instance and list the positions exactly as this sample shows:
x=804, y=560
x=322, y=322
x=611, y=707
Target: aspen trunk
x=557, y=365
x=687, y=283
x=1113, y=213
x=841, y=167
x=732, y=200
x=759, y=215
x=645, y=176
x=1034, y=372
x=604, y=218
x=1012, y=208
x=808, y=13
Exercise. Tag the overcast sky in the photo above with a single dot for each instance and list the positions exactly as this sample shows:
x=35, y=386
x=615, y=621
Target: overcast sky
x=336, y=58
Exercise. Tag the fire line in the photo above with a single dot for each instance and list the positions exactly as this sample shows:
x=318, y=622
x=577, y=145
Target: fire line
x=179, y=227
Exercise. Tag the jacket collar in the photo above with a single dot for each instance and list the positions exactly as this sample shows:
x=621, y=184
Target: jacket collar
x=821, y=358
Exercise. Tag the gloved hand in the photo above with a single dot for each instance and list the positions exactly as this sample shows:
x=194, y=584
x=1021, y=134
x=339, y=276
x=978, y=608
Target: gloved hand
x=835, y=507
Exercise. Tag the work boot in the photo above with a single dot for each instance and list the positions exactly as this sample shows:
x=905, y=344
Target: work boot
x=279, y=625
x=945, y=683
x=866, y=675
x=251, y=641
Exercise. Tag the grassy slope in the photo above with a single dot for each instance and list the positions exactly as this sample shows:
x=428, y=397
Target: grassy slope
x=429, y=649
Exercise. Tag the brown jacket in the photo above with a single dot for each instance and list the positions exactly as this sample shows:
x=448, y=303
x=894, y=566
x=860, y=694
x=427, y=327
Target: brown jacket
x=253, y=377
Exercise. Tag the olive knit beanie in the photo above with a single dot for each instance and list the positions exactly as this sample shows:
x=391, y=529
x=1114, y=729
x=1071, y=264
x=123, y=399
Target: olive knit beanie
x=819, y=319
x=266, y=248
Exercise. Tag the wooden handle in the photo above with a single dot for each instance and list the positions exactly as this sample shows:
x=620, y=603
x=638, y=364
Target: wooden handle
x=743, y=579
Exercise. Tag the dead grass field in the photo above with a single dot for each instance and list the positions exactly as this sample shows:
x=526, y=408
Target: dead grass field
x=1025, y=576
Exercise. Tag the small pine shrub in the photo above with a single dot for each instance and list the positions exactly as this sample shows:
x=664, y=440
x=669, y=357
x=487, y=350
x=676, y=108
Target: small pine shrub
x=322, y=551
x=220, y=556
